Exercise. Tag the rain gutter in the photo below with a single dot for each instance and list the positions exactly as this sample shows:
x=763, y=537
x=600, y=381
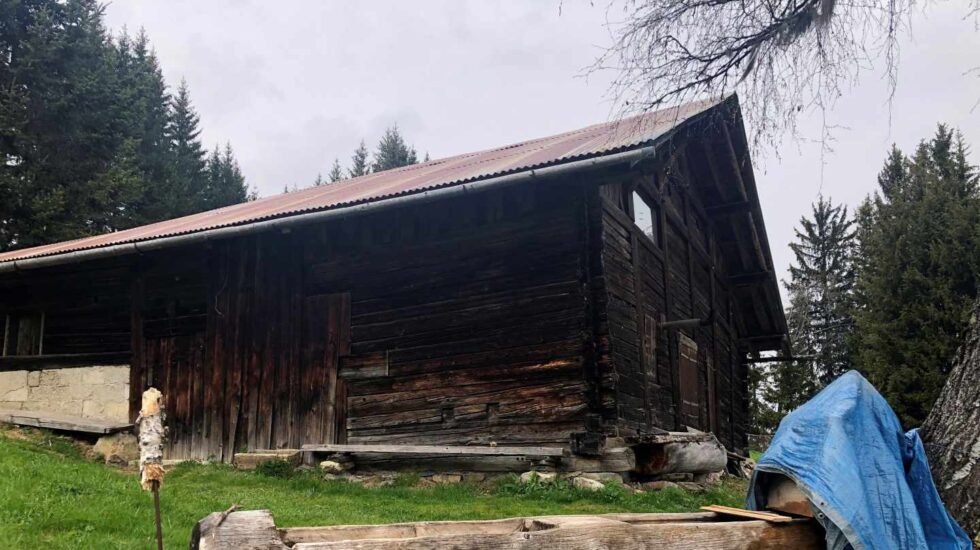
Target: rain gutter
x=632, y=156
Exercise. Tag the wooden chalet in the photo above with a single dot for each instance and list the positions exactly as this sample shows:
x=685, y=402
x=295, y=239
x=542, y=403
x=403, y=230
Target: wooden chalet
x=611, y=281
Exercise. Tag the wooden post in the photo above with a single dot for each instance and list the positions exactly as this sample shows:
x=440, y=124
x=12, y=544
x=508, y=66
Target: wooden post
x=150, y=422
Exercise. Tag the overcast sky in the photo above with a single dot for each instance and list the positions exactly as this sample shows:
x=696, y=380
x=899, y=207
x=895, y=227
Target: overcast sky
x=293, y=85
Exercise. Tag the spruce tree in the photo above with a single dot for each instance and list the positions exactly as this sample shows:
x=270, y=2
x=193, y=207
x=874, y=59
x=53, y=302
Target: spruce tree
x=821, y=291
x=359, y=162
x=917, y=273
x=225, y=182
x=393, y=152
x=61, y=128
x=336, y=172
x=187, y=192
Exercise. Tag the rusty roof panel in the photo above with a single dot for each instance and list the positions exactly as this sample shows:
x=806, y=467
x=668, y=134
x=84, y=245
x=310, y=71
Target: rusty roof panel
x=596, y=140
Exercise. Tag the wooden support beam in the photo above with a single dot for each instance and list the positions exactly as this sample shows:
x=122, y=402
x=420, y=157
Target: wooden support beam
x=461, y=450
x=62, y=361
x=64, y=422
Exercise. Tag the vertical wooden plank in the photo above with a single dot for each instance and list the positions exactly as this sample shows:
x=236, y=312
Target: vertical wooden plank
x=268, y=360
x=137, y=362
x=295, y=297
x=283, y=336
x=257, y=321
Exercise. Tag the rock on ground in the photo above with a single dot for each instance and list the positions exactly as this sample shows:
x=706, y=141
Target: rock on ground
x=587, y=484
x=543, y=477
x=118, y=448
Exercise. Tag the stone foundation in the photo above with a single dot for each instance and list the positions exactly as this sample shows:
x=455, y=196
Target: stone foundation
x=89, y=392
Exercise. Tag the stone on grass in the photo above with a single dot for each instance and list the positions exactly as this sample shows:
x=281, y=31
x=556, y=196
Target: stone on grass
x=690, y=486
x=658, y=485
x=543, y=477
x=446, y=478
x=587, y=484
x=118, y=448
x=334, y=467
x=603, y=477
x=713, y=478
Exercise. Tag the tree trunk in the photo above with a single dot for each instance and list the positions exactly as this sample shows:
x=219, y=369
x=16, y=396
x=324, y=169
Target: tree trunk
x=951, y=433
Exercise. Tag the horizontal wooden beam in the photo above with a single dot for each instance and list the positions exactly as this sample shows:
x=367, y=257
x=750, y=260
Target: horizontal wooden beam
x=64, y=422
x=63, y=361
x=461, y=450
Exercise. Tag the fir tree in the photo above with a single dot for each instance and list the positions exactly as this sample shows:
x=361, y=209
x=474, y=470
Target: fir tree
x=187, y=192
x=359, y=162
x=393, y=152
x=336, y=172
x=225, y=182
x=917, y=273
x=822, y=291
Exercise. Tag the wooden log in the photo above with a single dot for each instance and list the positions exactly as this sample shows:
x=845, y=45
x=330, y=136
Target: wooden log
x=783, y=495
x=253, y=530
x=542, y=452
x=700, y=454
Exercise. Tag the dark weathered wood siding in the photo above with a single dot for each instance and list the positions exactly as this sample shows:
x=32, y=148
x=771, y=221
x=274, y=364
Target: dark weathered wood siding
x=644, y=283
x=464, y=322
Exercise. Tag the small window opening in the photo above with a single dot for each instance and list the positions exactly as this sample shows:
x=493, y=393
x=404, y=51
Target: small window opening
x=645, y=217
x=23, y=334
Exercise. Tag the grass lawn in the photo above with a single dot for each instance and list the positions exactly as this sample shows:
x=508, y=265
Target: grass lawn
x=52, y=497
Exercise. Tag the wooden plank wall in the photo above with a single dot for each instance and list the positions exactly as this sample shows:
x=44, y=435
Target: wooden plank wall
x=244, y=359
x=468, y=318
x=466, y=323
x=644, y=282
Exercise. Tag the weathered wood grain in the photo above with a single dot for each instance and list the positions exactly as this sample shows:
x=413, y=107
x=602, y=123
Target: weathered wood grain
x=661, y=531
x=58, y=421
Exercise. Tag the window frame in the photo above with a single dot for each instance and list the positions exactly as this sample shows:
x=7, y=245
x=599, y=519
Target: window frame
x=8, y=348
x=654, y=205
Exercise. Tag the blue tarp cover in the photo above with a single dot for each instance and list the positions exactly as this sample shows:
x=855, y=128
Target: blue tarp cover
x=869, y=482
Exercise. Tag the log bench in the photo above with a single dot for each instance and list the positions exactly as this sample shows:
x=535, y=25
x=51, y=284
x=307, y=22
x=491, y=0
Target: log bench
x=62, y=422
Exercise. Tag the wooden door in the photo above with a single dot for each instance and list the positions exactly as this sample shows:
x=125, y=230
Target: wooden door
x=688, y=381
x=325, y=337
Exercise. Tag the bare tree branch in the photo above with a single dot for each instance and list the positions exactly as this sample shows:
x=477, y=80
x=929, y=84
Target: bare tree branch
x=785, y=57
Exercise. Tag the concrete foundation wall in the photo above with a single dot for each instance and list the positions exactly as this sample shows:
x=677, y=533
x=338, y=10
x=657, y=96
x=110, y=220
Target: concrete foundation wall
x=90, y=392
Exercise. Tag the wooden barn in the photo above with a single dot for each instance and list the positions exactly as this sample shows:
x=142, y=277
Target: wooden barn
x=613, y=281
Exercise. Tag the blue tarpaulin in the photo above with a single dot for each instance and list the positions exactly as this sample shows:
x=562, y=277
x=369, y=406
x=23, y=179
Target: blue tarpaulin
x=868, y=481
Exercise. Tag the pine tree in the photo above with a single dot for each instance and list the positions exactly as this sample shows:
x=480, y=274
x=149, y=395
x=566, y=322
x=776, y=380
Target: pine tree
x=61, y=129
x=393, y=152
x=187, y=192
x=917, y=273
x=225, y=182
x=336, y=172
x=822, y=290
x=359, y=162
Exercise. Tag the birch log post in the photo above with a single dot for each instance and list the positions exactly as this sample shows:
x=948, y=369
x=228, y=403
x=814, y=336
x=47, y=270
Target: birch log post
x=151, y=429
x=150, y=422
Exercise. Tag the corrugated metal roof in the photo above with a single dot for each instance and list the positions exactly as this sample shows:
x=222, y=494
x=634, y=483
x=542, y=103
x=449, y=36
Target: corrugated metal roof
x=596, y=140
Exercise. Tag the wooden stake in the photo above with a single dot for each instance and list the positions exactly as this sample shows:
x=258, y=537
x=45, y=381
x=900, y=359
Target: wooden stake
x=156, y=512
